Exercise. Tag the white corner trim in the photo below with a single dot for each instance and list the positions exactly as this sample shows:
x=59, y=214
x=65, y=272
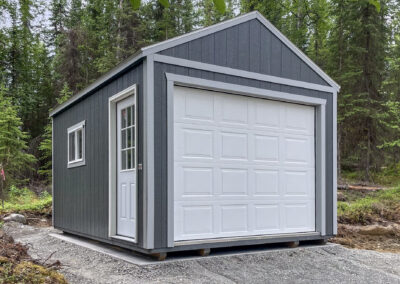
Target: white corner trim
x=148, y=149
x=52, y=171
x=240, y=73
x=112, y=157
x=170, y=163
x=319, y=104
x=334, y=127
x=320, y=186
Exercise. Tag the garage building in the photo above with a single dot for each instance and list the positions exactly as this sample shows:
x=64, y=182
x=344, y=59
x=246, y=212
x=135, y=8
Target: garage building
x=221, y=137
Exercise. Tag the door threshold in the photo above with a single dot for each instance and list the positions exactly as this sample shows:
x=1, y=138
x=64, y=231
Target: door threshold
x=122, y=238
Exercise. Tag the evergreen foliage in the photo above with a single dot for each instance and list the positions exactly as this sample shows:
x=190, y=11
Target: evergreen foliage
x=46, y=146
x=41, y=62
x=13, y=157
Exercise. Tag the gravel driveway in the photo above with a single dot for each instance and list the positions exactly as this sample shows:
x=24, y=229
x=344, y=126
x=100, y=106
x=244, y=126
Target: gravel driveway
x=323, y=264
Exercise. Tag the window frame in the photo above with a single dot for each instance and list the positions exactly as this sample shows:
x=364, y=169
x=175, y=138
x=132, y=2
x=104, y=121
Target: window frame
x=74, y=129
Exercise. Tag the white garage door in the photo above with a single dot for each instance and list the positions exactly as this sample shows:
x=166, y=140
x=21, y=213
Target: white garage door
x=242, y=166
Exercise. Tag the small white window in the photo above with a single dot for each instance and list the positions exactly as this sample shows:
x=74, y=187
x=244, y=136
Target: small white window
x=76, y=145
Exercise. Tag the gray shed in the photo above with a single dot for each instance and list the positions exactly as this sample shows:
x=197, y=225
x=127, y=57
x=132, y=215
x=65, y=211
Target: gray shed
x=221, y=137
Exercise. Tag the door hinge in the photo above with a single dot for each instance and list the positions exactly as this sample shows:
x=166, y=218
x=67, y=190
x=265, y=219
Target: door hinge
x=140, y=167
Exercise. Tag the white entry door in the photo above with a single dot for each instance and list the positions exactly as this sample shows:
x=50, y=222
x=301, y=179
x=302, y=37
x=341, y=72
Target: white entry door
x=126, y=167
x=243, y=166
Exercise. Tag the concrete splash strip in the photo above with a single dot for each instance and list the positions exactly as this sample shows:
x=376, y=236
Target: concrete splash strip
x=142, y=260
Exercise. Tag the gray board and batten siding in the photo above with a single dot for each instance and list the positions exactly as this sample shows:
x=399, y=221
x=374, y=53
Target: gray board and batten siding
x=81, y=194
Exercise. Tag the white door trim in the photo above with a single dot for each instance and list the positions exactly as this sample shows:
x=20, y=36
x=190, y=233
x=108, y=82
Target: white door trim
x=112, y=159
x=319, y=104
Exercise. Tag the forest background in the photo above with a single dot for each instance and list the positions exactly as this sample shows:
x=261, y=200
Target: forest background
x=50, y=49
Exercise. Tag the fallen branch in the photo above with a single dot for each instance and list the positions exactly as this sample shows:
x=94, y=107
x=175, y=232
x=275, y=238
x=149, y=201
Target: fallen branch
x=358, y=187
x=43, y=263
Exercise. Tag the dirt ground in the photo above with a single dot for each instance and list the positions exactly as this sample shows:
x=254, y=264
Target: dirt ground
x=378, y=231
x=372, y=237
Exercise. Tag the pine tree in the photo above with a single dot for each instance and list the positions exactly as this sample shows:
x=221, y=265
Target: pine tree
x=13, y=157
x=358, y=54
x=46, y=146
x=209, y=15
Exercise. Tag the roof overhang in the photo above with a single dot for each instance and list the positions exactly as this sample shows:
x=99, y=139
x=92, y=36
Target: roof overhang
x=155, y=48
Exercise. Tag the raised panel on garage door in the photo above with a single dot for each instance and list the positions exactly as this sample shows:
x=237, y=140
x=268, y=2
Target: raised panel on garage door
x=242, y=166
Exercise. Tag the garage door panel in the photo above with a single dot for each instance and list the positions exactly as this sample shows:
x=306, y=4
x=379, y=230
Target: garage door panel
x=299, y=119
x=260, y=147
x=298, y=216
x=267, y=114
x=266, y=182
x=231, y=110
x=228, y=219
x=234, y=182
x=298, y=183
x=197, y=105
x=196, y=181
x=242, y=166
x=267, y=217
x=298, y=150
x=266, y=147
x=194, y=143
x=234, y=218
x=234, y=145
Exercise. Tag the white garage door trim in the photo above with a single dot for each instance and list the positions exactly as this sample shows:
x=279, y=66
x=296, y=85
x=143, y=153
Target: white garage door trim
x=173, y=79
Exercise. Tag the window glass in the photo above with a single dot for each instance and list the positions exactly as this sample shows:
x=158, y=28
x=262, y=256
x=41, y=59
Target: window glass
x=127, y=138
x=72, y=146
x=129, y=158
x=123, y=160
x=123, y=118
x=129, y=116
x=123, y=139
x=79, y=144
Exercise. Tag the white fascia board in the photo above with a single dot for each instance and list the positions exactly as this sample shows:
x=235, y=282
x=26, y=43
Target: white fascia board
x=211, y=85
x=240, y=73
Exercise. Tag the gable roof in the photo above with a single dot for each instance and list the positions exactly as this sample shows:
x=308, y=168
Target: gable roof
x=155, y=48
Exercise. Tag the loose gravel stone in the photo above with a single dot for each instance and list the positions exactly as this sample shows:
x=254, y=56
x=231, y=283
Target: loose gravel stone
x=324, y=264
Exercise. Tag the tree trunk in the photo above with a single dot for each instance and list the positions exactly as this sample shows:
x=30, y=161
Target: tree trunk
x=368, y=160
x=339, y=141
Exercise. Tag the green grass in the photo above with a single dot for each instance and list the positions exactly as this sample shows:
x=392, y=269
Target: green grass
x=384, y=204
x=20, y=200
x=388, y=176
